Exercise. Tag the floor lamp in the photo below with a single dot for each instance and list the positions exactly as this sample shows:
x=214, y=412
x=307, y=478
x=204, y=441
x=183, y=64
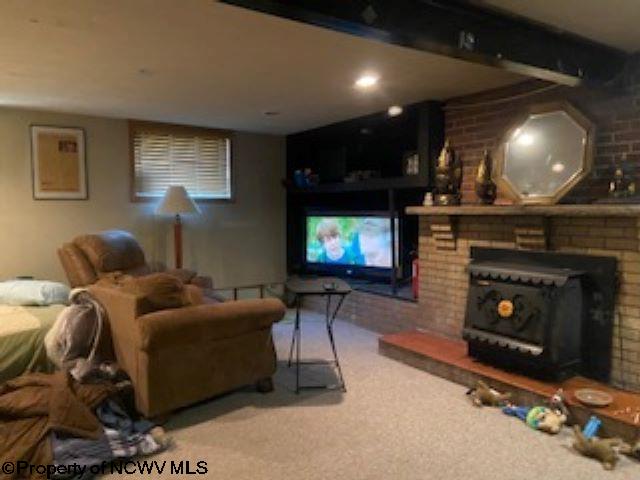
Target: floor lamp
x=176, y=201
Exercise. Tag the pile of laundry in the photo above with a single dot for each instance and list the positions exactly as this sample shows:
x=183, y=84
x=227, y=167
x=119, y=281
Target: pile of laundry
x=84, y=414
x=52, y=419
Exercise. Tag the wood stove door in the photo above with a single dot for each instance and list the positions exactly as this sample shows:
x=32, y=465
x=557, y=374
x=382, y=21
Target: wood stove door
x=509, y=309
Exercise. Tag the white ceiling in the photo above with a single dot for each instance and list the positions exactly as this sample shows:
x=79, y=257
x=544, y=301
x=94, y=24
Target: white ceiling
x=612, y=22
x=205, y=63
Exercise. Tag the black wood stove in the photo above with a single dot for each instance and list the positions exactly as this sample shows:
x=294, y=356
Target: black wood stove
x=548, y=315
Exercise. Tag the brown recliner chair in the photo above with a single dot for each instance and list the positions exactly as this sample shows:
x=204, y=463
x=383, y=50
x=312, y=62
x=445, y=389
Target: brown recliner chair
x=178, y=356
x=87, y=258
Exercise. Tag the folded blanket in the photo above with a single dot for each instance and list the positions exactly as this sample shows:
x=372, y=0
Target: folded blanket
x=80, y=340
x=159, y=290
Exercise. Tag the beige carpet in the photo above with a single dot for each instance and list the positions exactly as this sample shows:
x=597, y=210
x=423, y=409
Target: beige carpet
x=395, y=422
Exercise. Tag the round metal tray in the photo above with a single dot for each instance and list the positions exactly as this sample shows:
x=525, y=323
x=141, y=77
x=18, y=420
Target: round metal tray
x=593, y=398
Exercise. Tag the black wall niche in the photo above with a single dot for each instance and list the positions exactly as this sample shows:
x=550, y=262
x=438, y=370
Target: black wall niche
x=373, y=142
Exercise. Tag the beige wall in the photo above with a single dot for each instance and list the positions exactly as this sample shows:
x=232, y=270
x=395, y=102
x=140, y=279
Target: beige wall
x=237, y=243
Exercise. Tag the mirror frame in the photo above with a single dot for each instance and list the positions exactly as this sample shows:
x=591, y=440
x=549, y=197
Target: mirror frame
x=505, y=186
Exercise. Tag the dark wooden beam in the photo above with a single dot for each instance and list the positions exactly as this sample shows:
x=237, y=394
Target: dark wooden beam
x=461, y=30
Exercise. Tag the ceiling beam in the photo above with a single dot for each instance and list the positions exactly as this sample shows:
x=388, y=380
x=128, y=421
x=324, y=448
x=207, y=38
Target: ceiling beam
x=461, y=30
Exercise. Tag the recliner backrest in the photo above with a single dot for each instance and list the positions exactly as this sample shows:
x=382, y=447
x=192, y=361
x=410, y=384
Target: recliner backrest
x=91, y=256
x=80, y=272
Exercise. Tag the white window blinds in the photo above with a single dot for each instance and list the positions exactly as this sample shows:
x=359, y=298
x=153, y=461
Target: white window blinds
x=199, y=162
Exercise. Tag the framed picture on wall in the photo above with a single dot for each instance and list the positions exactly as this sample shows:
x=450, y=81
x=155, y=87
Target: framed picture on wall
x=58, y=163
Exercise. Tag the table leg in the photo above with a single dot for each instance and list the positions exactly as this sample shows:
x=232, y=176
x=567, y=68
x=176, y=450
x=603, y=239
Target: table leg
x=298, y=341
x=295, y=328
x=330, y=319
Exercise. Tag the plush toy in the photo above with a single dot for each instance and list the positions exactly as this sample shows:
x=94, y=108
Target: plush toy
x=598, y=448
x=558, y=403
x=632, y=451
x=538, y=418
x=481, y=394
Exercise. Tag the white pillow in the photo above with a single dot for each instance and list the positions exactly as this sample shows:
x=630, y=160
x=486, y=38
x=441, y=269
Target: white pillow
x=33, y=292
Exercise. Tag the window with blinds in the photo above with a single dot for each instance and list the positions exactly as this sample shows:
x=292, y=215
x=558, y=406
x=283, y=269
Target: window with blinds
x=195, y=158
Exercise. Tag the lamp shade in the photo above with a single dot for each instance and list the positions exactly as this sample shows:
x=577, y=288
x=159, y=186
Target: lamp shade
x=177, y=201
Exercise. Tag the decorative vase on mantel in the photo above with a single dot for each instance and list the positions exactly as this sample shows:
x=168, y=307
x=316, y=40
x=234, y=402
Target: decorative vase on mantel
x=486, y=189
x=448, y=177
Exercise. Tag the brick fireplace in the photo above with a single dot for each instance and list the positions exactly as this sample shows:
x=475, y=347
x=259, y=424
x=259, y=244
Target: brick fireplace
x=478, y=122
x=444, y=277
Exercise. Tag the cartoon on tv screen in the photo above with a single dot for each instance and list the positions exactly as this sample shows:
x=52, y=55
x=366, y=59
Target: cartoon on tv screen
x=362, y=241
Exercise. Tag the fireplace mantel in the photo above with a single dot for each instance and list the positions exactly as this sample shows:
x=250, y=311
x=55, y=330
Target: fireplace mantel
x=599, y=210
x=530, y=222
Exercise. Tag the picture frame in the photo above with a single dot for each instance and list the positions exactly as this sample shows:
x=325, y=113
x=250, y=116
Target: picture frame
x=58, y=163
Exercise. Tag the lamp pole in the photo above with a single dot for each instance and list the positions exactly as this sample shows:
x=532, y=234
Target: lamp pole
x=176, y=201
x=177, y=240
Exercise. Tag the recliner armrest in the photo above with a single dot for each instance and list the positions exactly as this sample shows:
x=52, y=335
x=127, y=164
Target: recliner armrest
x=204, y=323
x=122, y=308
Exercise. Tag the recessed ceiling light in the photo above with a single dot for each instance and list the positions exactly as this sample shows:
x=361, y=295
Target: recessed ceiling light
x=367, y=80
x=394, y=110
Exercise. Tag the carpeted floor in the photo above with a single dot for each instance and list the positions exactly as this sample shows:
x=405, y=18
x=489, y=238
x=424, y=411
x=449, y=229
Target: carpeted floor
x=395, y=422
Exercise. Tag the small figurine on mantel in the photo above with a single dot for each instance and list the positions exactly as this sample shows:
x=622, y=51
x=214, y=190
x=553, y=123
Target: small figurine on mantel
x=621, y=186
x=448, y=177
x=486, y=189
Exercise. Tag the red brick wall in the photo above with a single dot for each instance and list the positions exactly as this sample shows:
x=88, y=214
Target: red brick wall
x=472, y=129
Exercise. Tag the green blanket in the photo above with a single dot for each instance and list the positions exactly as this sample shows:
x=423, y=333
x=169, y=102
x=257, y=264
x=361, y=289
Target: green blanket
x=22, y=332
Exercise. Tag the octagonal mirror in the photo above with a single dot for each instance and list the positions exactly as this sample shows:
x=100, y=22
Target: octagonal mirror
x=545, y=154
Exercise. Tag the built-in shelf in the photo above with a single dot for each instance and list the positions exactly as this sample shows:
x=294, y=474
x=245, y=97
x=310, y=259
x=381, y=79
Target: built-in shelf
x=592, y=210
x=373, y=184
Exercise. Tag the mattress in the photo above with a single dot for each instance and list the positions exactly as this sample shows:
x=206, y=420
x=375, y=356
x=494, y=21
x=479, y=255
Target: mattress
x=22, y=332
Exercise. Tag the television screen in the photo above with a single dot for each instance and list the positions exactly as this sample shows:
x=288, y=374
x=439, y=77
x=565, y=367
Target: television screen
x=349, y=240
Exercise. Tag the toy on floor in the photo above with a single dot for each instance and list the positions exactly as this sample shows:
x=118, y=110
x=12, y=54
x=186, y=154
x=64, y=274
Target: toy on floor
x=598, y=448
x=558, y=403
x=538, y=418
x=481, y=395
x=632, y=451
x=590, y=430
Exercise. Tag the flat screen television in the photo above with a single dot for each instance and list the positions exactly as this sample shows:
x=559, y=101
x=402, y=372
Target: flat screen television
x=351, y=244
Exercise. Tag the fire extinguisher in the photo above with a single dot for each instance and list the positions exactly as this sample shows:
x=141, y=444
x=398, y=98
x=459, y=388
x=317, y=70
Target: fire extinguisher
x=415, y=271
